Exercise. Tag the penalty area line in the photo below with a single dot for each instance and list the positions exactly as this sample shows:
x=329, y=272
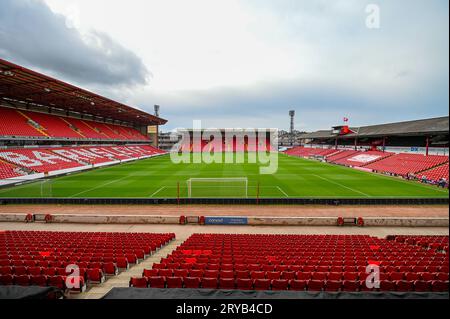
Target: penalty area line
x=284, y=193
x=157, y=191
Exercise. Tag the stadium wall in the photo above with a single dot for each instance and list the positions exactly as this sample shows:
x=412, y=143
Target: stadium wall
x=229, y=201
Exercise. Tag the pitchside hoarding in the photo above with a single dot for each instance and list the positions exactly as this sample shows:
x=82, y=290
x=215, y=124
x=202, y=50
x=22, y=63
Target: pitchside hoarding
x=226, y=220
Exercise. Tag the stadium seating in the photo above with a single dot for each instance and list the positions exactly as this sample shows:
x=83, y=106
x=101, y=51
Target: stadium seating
x=52, y=159
x=54, y=126
x=9, y=171
x=403, y=163
x=362, y=158
x=301, y=151
x=34, y=124
x=14, y=123
x=435, y=174
x=41, y=257
x=39, y=160
x=304, y=262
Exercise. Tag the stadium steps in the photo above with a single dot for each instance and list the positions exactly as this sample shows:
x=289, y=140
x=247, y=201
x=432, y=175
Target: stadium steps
x=333, y=154
x=30, y=119
x=344, y=154
x=123, y=279
x=71, y=126
x=431, y=168
x=379, y=159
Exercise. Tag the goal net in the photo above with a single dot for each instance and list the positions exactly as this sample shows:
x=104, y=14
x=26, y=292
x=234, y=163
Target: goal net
x=234, y=187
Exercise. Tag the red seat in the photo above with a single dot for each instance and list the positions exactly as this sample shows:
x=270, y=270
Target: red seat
x=20, y=270
x=212, y=266
x=244, y=284
x=57, y=281
x=280, y=284
x=174, y=282
x=439, y=286
x=254, y=267
x=257, y=275
x=387, y=285
x=132, y=258
x=6, y=270
x=333, y=285
x=316, y=285
x=395, y=276
x=297, y=284
x=289, y=275
x=240, y=267
x=181, y=273
x=166, y=273
x=304, y=275
x=95, y=275
x=226, y=283
x=227, y=267
x=404, y=285
x=110, y=269
x=242, y=274
x=273, y=275
x=22, y=280
x=282, y=268
x=421, y=285
x=334, y=276
x=6, y=280
x=191, y=282
x=211, y=274
x=209, y=283
x=412, y=276
x=351, y=276
x=268, y=268
x=226, y=274
x=262, y=284
x=319, y=276
x=38, y=280
x=122, y=263
x=141, y=282
x=442, y=276
x=322, y=269
x=156, y=282
x=35, y=271
x=309, y=268
x=350, y=285
x=428, y=276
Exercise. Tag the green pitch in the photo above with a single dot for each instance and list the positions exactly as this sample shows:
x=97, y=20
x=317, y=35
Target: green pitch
x=158, y=178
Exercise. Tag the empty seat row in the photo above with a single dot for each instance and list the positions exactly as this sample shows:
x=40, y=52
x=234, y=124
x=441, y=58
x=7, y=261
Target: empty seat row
x=285, y=284
x=246, y=274
x=300, y=258
x=35, y=124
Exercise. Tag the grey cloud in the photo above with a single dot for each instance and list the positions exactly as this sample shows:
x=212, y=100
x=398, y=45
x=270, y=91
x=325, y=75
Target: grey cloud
x=31, y=34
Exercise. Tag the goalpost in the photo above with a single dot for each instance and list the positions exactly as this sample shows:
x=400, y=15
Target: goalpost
x=235, y=187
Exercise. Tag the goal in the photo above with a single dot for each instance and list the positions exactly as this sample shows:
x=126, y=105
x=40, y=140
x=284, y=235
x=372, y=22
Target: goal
x=233, y=187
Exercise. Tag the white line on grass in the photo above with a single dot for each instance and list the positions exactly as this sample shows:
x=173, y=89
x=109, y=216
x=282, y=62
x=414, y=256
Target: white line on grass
x=157, y=191
x=279, y=188
x=339, y=184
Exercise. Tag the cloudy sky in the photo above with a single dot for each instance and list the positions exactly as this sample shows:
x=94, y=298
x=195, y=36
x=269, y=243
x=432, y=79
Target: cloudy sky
x=242, y=63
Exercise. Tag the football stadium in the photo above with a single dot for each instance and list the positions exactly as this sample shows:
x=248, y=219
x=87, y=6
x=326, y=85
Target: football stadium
x=96, y=204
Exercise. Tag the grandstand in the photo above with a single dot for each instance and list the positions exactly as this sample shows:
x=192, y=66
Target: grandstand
x=301, y=263
x=40, y=138
x=60, y=144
